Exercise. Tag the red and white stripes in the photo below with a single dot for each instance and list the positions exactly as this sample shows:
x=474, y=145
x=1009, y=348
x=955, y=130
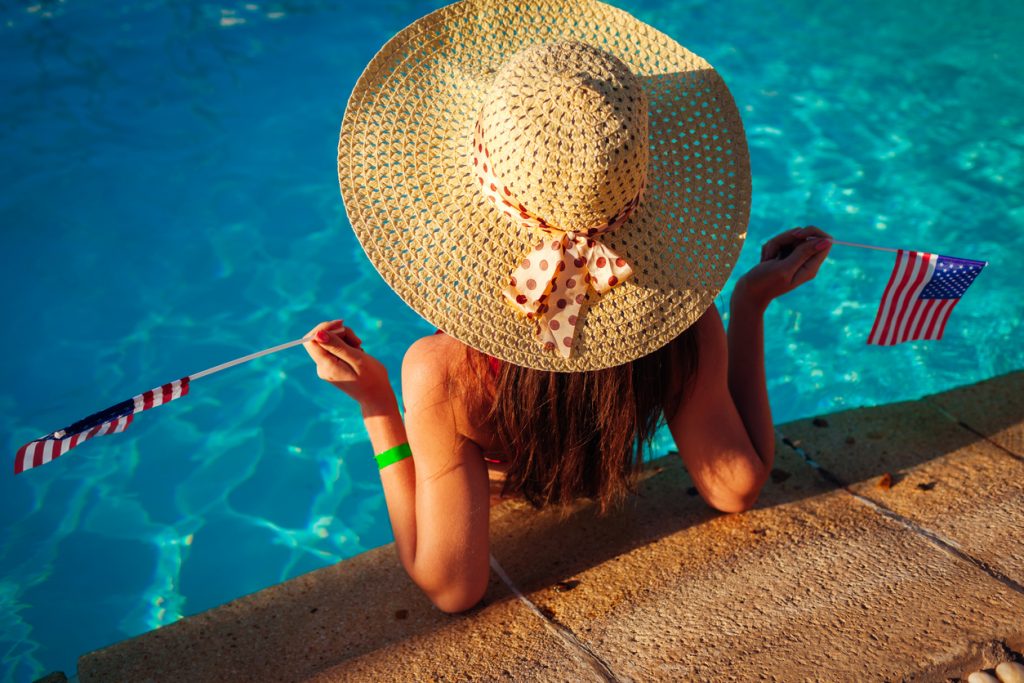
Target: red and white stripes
x=36, y=453
x=51, y=447
x=903, y=315
x=161, y=395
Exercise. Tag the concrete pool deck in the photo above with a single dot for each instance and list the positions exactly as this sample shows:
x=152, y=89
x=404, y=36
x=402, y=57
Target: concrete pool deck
x=833, y=576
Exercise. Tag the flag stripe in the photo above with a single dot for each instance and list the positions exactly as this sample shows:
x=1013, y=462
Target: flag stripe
x=29, y=456
x=941, y=315
x=908, y=309
x=912, y=287
x=947, y=310
x=921, y=323
x=113, y=420
x=907, y=269
x=929, y=326
x=885, y=293
x=930, y=308
x=19, y=459
x=887, y=296
x=914, y=318
x=926, y=321
x=909, y=272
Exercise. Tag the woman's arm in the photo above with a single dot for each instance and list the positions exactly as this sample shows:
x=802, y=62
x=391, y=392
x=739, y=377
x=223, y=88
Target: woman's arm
x=787, y=261
x=709, y=431
x=452, y=516
x=724, y=430
x=436, y=499
x=746, y=377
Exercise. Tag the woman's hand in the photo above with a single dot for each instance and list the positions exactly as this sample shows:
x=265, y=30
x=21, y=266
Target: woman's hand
x=787, y=261
x=340, y=360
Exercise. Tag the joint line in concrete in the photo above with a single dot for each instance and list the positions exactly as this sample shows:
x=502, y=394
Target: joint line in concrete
x=947, y=545
x=953, y=418
x=596, y=664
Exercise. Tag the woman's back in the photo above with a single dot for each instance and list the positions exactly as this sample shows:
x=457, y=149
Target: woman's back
x=563, y=436
x=466, y=382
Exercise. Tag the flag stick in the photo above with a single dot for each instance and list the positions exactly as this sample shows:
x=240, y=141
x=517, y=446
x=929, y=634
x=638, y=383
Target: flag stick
x=246, y=359
x=868, y=246
x=862, y=246
x=117, y=417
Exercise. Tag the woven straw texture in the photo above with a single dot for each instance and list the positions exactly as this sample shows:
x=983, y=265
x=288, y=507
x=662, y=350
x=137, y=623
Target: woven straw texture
x=413, y=200
x=559, y=123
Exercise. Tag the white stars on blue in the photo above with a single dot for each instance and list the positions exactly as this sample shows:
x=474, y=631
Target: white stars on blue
x=951, y=278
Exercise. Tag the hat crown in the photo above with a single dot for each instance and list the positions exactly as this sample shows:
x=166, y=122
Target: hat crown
x=565, y=127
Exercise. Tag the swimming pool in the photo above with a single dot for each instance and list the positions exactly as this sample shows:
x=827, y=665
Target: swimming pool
x=170, y=202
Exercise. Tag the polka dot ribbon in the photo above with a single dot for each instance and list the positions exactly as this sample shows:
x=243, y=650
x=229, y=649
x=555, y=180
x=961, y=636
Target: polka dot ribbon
x=550, y=284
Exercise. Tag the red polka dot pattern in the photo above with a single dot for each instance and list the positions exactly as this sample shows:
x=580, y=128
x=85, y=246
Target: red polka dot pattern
x=572, y=263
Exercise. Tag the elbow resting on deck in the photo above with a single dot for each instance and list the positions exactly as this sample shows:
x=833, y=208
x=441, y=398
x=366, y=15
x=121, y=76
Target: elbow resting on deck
x=742, y=494
x=458, y=599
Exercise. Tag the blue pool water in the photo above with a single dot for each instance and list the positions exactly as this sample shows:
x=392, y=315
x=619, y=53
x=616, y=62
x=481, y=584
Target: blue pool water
x=170, y=202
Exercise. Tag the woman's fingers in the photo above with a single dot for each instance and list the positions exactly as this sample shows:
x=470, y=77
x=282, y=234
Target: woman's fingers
x=326, y=325
x=783, y=244
x=772, y=247
x=329, y=366
x=339, y=361
x=809, y=268
x=815, y=231
x=803, y=251
x=337, y=346
x=807, y=258
x=349, y=335
x=327, y=363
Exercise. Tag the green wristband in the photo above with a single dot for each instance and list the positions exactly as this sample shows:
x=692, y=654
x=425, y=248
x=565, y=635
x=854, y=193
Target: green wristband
x=393, y=455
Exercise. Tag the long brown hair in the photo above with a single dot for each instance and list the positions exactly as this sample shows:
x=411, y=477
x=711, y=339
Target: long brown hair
x=572, y=435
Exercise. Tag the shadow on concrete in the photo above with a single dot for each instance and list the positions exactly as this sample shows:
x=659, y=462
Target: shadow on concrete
x=860, y=444
x=991, y=409
x=324, y=618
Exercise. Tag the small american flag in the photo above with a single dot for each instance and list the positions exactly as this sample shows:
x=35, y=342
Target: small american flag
x=922, y=291
x=110, y=421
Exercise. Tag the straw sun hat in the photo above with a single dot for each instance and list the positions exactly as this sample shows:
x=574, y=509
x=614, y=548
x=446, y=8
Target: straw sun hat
x=556, y=184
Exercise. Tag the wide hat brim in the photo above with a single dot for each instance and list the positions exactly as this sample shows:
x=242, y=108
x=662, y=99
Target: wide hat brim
x=414, y=203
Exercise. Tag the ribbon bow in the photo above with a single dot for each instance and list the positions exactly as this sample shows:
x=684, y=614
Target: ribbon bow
x=550, y=284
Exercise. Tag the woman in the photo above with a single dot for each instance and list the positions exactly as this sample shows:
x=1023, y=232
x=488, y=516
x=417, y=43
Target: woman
x=439, y=508
x=567, y=219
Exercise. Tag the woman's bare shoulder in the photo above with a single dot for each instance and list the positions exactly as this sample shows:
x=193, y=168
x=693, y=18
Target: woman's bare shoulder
x=434, y=350
x=431, y=358
x=434, y=374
